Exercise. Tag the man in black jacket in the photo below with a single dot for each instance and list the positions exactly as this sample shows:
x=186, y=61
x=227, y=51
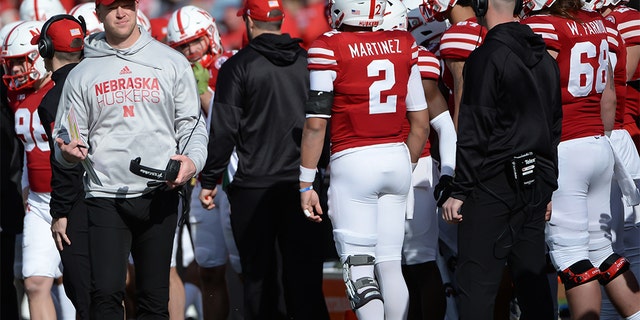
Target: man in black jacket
x=61, y=44
x=259, y=109
x=11, y=205
x=506, y=165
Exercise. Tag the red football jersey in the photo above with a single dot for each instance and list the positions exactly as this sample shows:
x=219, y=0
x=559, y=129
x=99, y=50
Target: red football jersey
x=215, y=66
x=428, y=64
x=36, y=144
x=372, y=72
x=458, y=42
x=618, y=58
x=583, y=59
x=15, y=97
x=627, y=21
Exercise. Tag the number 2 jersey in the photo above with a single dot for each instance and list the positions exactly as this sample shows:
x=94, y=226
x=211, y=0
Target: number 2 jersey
x=371, y=84
x=583, y=59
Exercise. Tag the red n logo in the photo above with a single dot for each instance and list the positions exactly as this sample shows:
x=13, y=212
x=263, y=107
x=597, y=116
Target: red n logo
x=128, y=111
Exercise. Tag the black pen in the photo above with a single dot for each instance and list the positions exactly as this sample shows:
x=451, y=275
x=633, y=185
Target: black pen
x=81, y=146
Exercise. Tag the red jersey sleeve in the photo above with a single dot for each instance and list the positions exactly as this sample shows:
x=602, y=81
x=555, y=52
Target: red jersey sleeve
x=461, y=39
x=544, y=26
x=618, y=59
x=628, y=22
x=428, y=64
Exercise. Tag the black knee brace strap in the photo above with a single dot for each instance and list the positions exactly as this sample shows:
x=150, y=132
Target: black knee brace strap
x=359, y=299
x=371, y=288
x=612, y=267
x=578, y=273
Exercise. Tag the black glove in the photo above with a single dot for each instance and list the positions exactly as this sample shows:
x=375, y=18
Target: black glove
x=442, y=190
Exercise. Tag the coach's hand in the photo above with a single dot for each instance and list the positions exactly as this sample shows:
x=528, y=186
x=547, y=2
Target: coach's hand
x=73, y=151
x=187, y=171
x=59, y=232
x=206, y=198
x=547, y=214
x=451, y=210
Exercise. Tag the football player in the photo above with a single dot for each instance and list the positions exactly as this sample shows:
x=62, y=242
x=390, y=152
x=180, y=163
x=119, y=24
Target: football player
x=624, y=220
x=457, y=42
x=40, y=10
x=193, y=32
x=420, y=248
x=368, y=84
x=580, y=249
x=28, y=81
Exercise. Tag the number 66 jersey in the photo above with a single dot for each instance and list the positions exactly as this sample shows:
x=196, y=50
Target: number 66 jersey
x=583, y=60
x=370, y=72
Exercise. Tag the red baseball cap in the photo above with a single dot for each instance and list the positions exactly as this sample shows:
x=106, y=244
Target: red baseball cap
x=66, y=36
x=262, y=10
x=106, y=2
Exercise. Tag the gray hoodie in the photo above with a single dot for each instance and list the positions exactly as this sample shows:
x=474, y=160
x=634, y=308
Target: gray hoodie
x=136, y=102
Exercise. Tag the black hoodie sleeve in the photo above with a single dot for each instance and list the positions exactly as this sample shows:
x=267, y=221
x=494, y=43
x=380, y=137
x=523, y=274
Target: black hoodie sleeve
x=67, y=187
x=475, y=123
x=225, y=124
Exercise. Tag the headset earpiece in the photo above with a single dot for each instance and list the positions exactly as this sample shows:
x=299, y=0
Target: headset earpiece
x=45, y=45
x=480, y=7
x=518, y=8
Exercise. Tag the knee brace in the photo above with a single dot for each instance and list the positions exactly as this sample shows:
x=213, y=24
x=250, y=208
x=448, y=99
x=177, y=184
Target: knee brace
x=612, y=267
x=371, y=289
x=578, y=273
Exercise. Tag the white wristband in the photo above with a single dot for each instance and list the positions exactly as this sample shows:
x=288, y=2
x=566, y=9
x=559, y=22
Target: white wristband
x=307, y=175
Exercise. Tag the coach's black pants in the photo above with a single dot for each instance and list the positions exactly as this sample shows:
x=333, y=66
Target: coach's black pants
x=482, y=256
x=76, y=275
x=262, y=219
x=144, y=226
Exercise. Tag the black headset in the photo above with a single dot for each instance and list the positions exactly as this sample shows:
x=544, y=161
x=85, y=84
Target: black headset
x=480, y=7
x=45, y=45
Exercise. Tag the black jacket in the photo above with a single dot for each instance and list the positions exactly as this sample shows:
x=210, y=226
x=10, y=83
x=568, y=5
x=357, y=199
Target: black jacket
x=259, y=109
x=11, y=161
x=66, y=184
x=511, y=104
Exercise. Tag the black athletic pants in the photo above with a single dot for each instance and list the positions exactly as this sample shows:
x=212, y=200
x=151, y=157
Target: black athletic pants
x=482, y=256
x=8, y=294
x=76, y=275
x=262, y=219
x=144, y=226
